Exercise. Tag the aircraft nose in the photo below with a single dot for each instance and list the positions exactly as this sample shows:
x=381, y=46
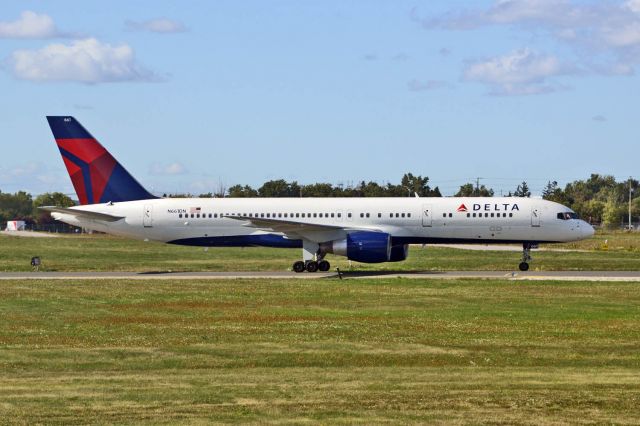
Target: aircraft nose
x=587, y=230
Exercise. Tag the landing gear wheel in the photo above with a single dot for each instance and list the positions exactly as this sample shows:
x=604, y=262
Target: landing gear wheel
x=524, y=266
x=312, y=266
x=298, y=266
x=324, y=266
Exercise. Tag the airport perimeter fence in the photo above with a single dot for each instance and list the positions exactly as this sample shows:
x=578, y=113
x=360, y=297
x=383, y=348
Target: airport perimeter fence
x=54, y=228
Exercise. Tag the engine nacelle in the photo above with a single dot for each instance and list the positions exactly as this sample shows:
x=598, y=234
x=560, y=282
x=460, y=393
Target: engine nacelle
x=399, y=252
x=362, y=246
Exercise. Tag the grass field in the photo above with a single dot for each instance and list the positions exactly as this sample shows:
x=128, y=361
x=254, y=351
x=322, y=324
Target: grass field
x=350, y=351
x=105, y=253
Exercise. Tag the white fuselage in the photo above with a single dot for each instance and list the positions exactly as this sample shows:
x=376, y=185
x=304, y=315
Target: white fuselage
x=206, y=221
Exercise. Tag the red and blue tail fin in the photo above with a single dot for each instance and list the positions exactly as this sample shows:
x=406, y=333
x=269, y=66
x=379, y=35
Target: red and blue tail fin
x=97, y=177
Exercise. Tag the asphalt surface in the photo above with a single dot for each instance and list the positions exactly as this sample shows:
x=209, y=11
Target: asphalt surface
x=166, y=275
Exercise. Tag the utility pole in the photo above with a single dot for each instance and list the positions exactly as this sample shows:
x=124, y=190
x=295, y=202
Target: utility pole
x=630, y=192
x=477, y=194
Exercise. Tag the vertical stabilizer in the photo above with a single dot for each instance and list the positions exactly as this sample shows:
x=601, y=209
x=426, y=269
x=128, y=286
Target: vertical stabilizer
x=96, y=176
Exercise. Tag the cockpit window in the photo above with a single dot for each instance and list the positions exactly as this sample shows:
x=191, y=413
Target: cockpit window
x=568, y=215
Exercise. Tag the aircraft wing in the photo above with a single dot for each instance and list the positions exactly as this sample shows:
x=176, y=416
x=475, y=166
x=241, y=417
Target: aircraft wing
x=82, y=214
x=292, y=227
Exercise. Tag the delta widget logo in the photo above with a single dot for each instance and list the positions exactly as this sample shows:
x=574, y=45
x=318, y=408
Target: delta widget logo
x=462, y=208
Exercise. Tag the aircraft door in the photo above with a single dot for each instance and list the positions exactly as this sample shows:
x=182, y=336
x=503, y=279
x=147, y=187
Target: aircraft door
x=535, y=216
x=147, y=216
x=427, y=215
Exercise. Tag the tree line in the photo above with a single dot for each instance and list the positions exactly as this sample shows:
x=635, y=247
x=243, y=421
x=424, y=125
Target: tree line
x=600, y=199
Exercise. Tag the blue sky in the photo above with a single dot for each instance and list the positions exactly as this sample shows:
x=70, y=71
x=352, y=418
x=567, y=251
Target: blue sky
x=188, y=95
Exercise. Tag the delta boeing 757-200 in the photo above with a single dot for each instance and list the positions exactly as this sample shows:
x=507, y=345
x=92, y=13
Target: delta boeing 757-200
x=370, y=230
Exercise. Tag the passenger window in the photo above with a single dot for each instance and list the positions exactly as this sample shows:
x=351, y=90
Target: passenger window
x=486, y=215
x=348, y=214
x=474, y=215
x=504, y=215
x=302, y=214
x=444, y=215
x=468, y=214
x=367, y=214
x=491, y=214
x=332, y=214
x=361, y=214
x=339, y=214
x=397, y=214
x=402, y=214
x=297, y=214
x=450, y=214
x=390, y=214
x=379, y=214
x=315, y=215
x=180, y=215
x=510, y=214
x=408, y=214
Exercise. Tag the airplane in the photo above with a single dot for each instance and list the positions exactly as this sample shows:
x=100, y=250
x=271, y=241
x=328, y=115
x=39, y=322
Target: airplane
x=369, y=230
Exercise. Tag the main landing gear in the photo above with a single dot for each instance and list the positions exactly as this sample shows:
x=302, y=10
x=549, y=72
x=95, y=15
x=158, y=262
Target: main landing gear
x=526, y=256
x=313, y=258
x=311, y=266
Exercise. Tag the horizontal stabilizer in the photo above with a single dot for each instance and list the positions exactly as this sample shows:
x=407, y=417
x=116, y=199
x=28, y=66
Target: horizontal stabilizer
x=83, y=214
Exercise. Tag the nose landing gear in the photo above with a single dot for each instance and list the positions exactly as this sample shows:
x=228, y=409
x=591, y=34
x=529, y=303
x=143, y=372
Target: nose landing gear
x=526, y=256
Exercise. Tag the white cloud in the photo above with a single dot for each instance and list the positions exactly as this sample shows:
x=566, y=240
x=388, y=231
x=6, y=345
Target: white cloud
x=33, y=177
x=633, y=5
x=172, y=169
x=521, y=72
x=86, y=61
x=622, y=36
x=603, y=36
x=29, y=25
x=161, y=25
x=419, y=86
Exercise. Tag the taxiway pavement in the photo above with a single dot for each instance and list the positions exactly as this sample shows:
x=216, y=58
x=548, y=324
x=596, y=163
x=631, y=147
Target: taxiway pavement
x=167, y=275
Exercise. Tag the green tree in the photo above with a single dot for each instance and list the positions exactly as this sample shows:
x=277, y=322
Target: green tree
x=469, y=190
x=522, y=190
x=57, y=199
x=418, y=185
x=612, y=213
x=239, y=191
x=279, y=188
x=17, y=206
x=553, y=192
x=318, y=190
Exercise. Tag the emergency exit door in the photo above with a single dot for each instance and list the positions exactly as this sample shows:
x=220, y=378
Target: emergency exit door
x=535, y=216
x=427, y=215
x=147, y=216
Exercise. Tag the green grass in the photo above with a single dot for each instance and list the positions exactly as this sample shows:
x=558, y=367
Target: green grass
x=329, y=351
x=106, y=253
